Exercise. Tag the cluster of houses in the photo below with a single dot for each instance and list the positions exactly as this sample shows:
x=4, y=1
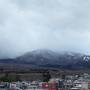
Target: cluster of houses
x=70, y=82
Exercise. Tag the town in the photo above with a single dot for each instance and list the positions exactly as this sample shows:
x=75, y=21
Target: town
x=68, y=82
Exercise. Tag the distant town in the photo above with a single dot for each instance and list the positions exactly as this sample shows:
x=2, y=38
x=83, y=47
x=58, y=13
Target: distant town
x=46, y=82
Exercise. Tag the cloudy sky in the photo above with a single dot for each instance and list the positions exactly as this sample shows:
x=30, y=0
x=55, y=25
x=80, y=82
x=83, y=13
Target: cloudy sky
x=61, y=25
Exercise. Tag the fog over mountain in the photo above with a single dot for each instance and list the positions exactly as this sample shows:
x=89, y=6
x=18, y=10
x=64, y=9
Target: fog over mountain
x=47, y=59
x=58, y=25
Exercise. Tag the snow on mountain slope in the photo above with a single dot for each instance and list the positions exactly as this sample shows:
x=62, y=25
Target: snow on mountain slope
x=47, y=58
x=51, y=59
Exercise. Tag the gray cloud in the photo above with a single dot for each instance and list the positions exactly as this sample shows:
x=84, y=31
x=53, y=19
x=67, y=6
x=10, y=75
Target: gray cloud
x=61, y=25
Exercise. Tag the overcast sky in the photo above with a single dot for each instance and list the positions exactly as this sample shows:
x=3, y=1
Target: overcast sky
x=26, y=25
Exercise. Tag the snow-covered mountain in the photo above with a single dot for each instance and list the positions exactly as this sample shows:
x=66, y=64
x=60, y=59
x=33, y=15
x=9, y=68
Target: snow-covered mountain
x=51, y=59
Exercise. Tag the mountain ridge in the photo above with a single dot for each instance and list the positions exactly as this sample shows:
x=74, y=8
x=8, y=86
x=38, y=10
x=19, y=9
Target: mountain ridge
x=51, y=59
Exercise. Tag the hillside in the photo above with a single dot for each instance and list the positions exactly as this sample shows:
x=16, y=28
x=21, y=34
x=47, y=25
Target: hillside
x=51, y=59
